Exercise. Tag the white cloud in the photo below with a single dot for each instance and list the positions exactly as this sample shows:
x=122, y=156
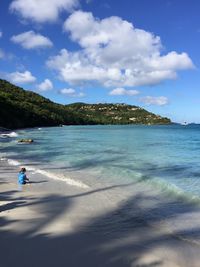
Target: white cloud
x=71, y=92
x=1, y=34
x=76, y=68
x=114, y=53
x=151, y=100
x=67, y=91
x=122, y=91
x=42, y=10
x=31, y=40
x=46, y=85
x=21, y=77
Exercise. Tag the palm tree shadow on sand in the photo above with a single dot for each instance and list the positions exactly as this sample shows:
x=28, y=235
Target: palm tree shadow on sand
x=119, y=238
x=38, y=182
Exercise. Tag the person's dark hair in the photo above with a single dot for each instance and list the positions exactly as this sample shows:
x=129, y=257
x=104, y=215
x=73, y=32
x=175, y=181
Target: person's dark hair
x=23, y=170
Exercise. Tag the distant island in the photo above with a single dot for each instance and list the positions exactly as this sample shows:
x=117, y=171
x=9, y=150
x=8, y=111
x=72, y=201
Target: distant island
x=22, y=109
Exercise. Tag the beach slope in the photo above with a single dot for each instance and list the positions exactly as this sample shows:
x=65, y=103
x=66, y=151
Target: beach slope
x=50, y=223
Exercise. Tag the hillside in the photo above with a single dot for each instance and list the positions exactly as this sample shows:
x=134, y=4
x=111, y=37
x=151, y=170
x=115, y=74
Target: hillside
x=116, y=114
x=20, y=108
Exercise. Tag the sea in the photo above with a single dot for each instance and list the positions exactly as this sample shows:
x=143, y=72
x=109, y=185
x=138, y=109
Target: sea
x=166, y=157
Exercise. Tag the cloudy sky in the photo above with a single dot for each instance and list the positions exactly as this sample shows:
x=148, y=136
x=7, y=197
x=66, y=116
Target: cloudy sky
x=140, y=52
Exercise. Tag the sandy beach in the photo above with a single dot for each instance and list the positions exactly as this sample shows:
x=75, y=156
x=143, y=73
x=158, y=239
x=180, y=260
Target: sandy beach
x=51, y=223
x=100, y=108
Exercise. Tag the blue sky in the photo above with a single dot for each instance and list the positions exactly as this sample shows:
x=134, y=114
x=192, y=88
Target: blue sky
x=139, y=52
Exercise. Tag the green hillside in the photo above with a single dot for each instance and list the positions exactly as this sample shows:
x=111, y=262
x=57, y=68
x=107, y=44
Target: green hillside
x=20, y=108
x=116, y=114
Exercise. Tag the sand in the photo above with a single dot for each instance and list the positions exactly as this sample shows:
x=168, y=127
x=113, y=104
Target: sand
x=52, y=223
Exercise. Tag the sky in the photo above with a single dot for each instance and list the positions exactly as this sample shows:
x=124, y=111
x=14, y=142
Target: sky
x=139, y=52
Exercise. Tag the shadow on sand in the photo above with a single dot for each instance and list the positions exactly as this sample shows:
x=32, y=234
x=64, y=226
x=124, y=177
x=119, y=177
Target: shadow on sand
x=38, y=182
x=118, y=238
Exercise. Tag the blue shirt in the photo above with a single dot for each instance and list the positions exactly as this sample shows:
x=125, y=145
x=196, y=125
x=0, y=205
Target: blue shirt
x=21, y=178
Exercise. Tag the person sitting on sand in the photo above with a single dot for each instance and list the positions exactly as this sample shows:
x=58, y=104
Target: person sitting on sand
x=22, y=179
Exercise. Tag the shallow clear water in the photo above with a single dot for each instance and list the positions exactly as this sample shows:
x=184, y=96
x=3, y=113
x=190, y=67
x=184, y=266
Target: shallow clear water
x=166, y=156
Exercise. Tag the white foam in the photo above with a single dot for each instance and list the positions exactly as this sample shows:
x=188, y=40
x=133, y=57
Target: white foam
x=68, y=180
x=12, y=134
x=13, y=162
x=63, y=178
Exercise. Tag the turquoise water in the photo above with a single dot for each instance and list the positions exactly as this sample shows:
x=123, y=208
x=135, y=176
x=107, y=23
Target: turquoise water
x=166, y=156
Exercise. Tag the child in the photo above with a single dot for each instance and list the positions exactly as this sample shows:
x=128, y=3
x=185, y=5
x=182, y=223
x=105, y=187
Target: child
x=22, y=179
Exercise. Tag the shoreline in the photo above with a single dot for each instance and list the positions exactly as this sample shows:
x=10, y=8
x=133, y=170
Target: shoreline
x=56, y=224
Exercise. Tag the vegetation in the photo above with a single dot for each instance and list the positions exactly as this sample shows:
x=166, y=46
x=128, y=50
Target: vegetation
x=116, y=114
x=20, y=108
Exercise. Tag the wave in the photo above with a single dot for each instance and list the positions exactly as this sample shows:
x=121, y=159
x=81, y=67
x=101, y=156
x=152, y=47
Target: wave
x=170, y=189
x=13, y=162
x=48, y=174
x=12, y=134
x=63, y=178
